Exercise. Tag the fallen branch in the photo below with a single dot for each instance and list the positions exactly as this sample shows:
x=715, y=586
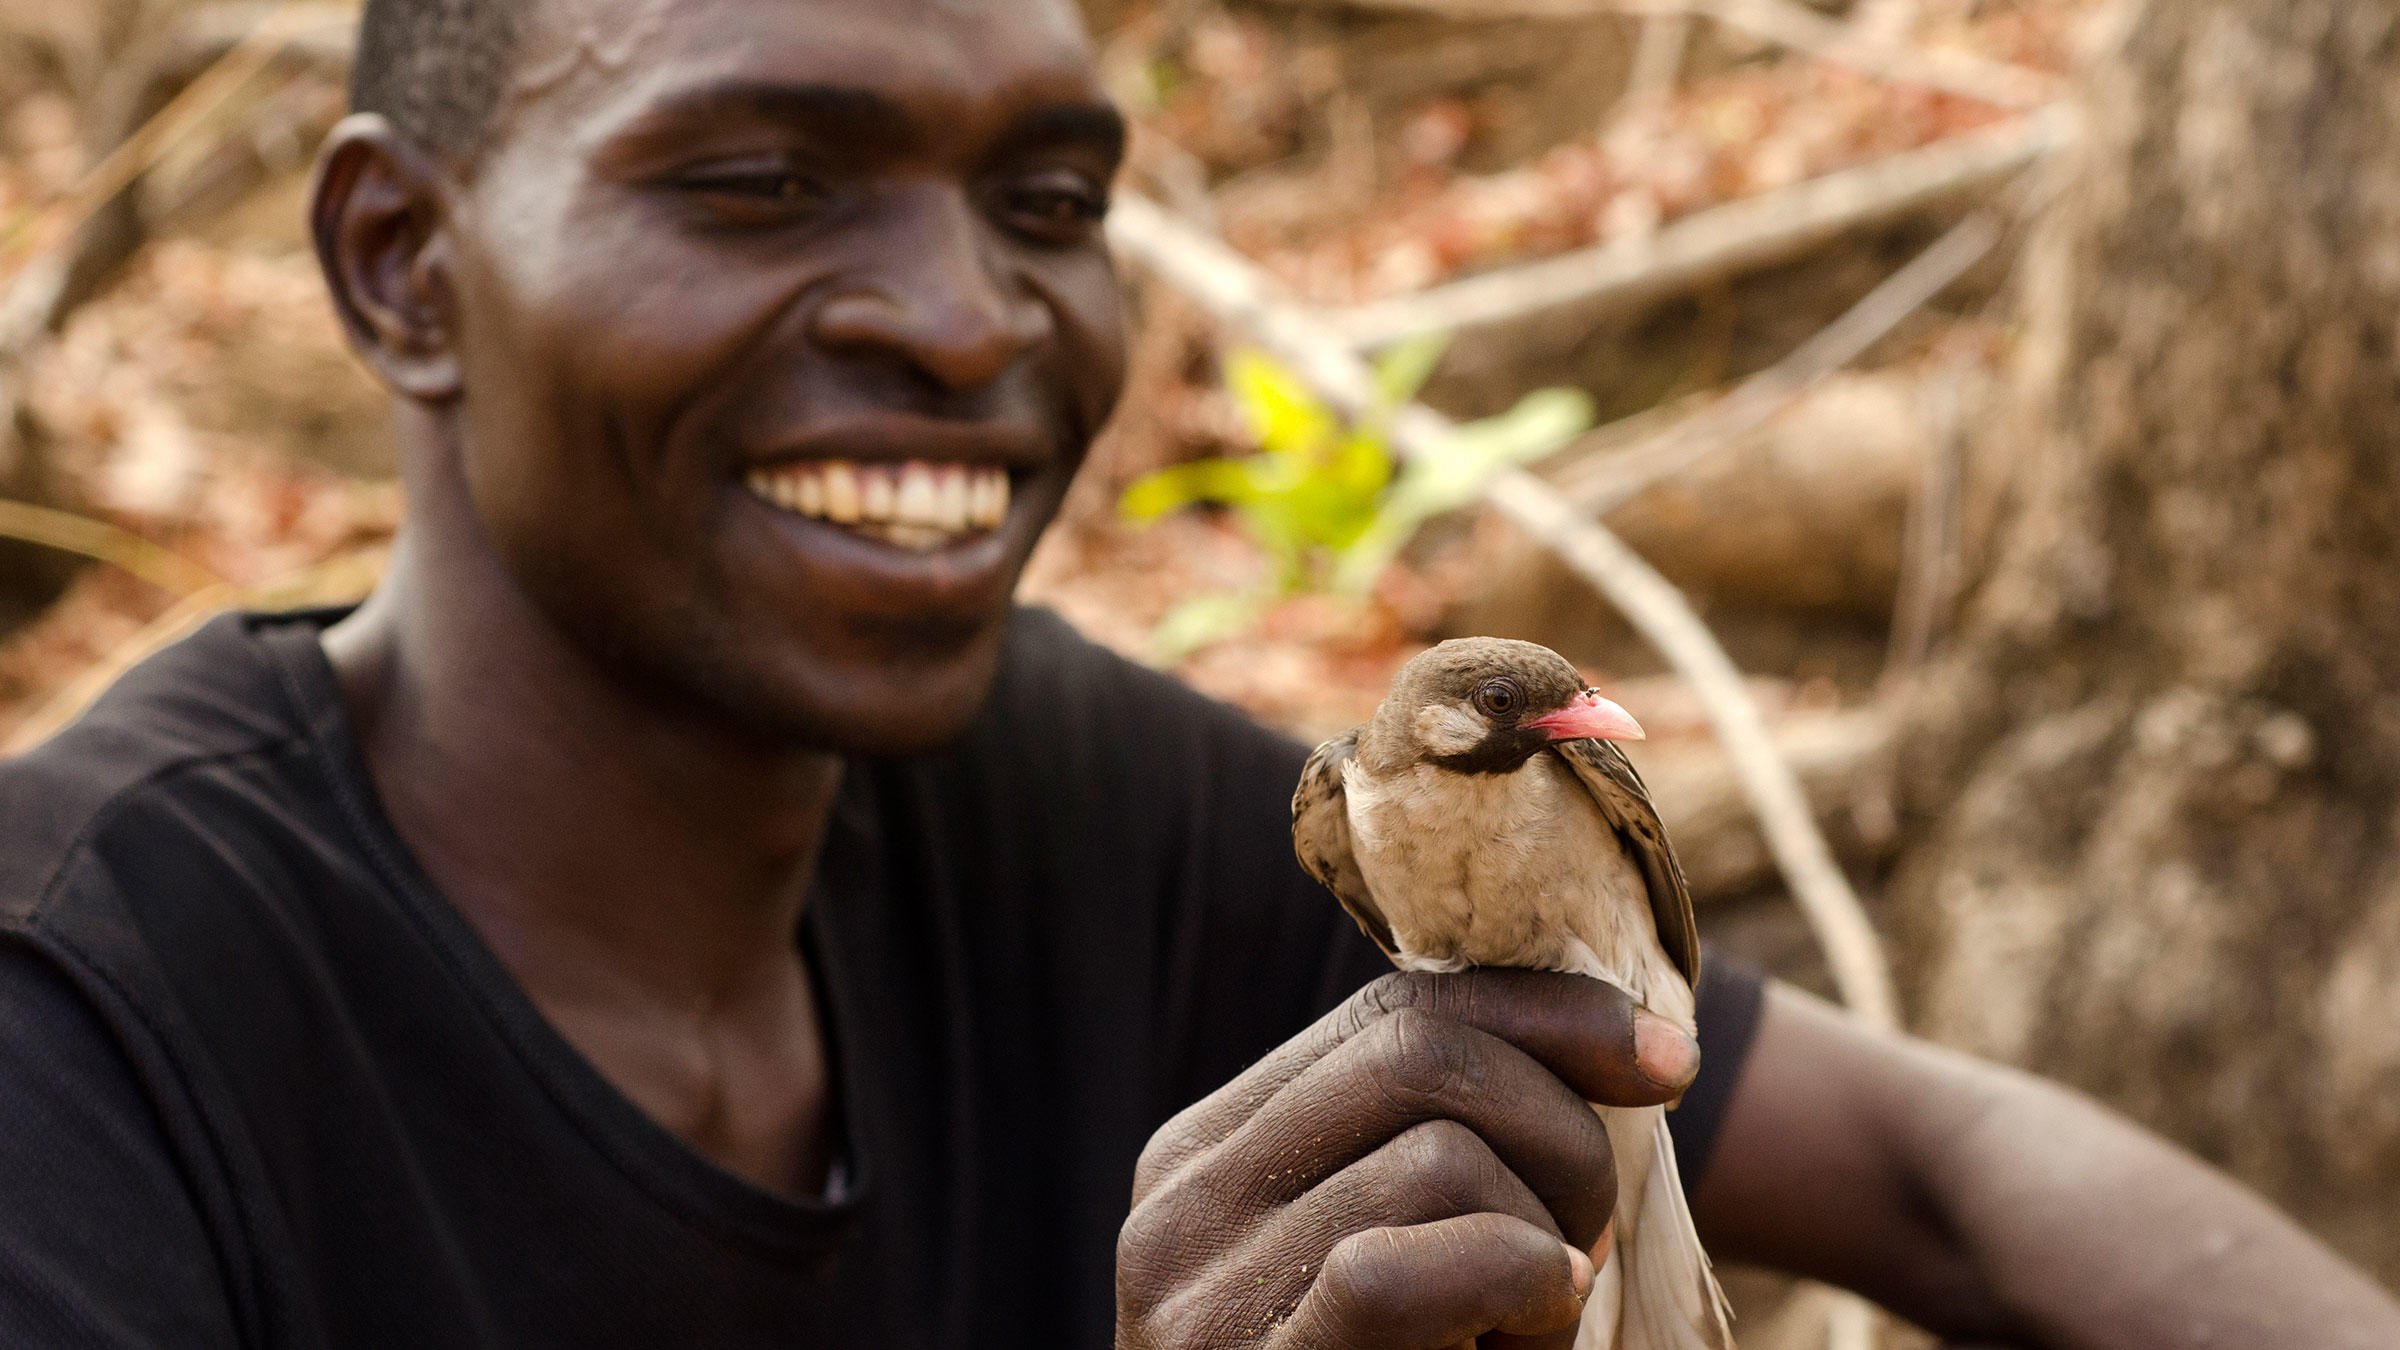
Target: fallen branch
x=1722, y=241
x=1803, y=29
x=1243, y=298
x=1792, y=534
x=1606, y=482
x=1786, y=24
x=1843, y=761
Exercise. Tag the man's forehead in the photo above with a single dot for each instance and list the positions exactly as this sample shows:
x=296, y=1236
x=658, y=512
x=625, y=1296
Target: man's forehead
x=950, y=54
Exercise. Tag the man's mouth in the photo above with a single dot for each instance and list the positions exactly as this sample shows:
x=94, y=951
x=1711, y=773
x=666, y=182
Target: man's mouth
x=917, y=504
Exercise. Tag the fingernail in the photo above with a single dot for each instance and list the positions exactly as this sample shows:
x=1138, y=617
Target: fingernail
x=1663, y=1053
x=1581, y=1274
x=1607, y=1244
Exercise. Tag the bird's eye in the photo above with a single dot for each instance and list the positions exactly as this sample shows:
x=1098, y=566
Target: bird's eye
x=1499, y=698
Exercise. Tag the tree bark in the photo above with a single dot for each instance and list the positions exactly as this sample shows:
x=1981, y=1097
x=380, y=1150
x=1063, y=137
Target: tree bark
x=2157, y=777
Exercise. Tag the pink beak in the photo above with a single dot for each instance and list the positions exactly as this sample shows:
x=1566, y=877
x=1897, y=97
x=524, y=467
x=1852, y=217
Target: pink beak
x=1590, y=718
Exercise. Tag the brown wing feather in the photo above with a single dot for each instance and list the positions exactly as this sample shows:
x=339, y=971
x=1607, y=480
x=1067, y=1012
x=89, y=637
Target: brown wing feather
x=1626, y=805
x=1321, y=836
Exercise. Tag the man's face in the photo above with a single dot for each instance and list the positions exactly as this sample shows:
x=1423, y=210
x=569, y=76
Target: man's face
x=784, y=325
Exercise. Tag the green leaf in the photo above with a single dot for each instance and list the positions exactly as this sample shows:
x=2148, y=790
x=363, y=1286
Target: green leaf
x=1180, y=485
x=1402, y=369
x=1541, y=422
x=1160, y=78
x=1286, y=418
x=1456, y=471
x=1204, y=621
x=1362, y=465
x=1328, y=503
x=1357, y=567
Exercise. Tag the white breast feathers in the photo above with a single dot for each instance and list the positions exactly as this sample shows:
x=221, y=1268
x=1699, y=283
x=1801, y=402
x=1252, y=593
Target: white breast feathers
x=1515, y=869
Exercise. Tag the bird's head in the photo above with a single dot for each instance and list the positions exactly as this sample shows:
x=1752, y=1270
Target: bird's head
x=1487, y=705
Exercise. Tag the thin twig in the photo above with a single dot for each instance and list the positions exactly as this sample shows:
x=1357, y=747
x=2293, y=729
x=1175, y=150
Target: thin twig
x=1653, y=605
x=1883, y=22
x=1243, y=298
x=337, y=580
x=99, y=540
x=32, y=290
x=1928, y=565
x=1721, y=241
x=69, y=703
x=1657, y=67
x=1606, y=483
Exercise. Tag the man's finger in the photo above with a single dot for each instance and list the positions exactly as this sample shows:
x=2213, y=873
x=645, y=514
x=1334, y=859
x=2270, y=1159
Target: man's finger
x=1586, y=1032
x=1410, y=1069
x=1438, y=1285
x=1435, y=1171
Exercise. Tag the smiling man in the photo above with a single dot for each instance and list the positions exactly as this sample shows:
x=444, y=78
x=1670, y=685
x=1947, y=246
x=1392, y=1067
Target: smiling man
x=686, y=905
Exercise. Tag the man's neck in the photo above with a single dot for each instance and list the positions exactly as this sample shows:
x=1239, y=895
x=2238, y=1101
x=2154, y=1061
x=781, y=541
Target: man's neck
x=553, y=807
x=641, y=875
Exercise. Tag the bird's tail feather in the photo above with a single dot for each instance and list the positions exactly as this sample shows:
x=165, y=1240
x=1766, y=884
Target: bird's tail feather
x=1666, y=1297
x=1603, y=1310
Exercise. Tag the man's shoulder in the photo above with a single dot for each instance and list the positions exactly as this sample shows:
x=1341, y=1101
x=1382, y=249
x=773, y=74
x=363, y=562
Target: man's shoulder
x=131, y=775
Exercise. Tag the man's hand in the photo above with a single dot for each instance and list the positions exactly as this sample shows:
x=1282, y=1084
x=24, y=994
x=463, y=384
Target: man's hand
x=1418, y=1169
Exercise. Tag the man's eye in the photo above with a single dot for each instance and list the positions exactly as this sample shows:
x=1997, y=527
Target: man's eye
x=766, y=189
x=1060, y=208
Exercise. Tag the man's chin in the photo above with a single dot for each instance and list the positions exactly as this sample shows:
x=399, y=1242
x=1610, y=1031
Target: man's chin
x=917, y=699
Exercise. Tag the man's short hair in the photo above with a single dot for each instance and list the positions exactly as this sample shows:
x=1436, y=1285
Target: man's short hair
x=435, y=68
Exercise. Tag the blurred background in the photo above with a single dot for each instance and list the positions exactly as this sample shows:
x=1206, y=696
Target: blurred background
x=2006, y=388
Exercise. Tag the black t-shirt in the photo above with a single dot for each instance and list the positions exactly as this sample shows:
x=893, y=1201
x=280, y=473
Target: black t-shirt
x=260, y=1085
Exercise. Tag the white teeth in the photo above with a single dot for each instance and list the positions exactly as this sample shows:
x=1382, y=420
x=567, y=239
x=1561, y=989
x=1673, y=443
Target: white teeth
x=842, y=505
x=915, y=538
x=918, y=500
x=951, y=508
x=874, y=492
x=987, y=495
x=914, y=505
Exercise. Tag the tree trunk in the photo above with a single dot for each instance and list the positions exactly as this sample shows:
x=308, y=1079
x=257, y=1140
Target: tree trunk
x=2158, y=774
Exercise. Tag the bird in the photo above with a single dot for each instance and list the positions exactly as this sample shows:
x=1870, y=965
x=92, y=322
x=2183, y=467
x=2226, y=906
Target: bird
x=1485, y=816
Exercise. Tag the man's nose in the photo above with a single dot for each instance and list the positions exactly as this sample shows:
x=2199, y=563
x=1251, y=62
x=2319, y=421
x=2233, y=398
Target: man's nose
x=940, y=296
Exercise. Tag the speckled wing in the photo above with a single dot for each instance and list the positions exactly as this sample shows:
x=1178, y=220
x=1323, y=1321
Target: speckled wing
x=1625, y=804
x=1321, y=836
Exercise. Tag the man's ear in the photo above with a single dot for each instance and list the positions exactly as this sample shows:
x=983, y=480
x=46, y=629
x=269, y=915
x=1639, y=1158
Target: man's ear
x=377, y=215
